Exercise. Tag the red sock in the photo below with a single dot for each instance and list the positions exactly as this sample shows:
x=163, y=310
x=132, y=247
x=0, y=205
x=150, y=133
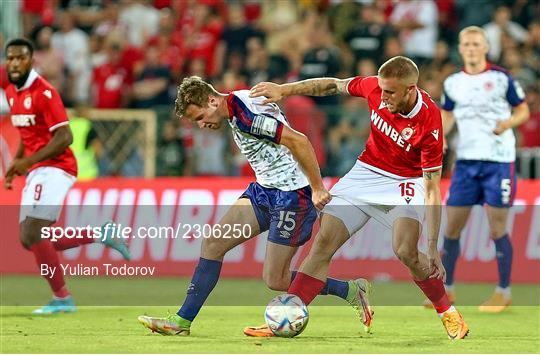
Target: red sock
x=68, y=243
x=45, y=254
x=306, y=287
x=434, y=290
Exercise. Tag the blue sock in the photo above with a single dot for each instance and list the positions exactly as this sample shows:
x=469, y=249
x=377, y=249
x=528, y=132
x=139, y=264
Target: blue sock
x=449, y=258
x=204, y=279
x=503, y=249
x=332, y=287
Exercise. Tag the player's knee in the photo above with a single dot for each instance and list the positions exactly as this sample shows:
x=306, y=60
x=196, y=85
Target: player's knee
x=213, y=248
x=407, y=255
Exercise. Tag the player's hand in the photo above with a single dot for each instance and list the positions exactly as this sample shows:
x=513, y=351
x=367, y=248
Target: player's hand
x=8, y=181
x=501, y=127
x=436, y=268
x=320, y=197
x=272, y=92
x=19, y=167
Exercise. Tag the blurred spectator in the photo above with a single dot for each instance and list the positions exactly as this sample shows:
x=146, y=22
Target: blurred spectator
x=347, y=139
x=322, y=59
x=151, y=86
x=175, y=155
x=211, y=151
x=202, y=36
x=473, y=13
x=392, y=48
x=235, y=36
x=140, y=19
x=366, y=67
x=343, y=17
x=501, y=25
x=524, y=12
x=512, y=60
x=261, y=66
x=532, y=47
x=87, y=13
x=111, y=89
x=416, y=21
x=34, y=13
x=367, y=39
x=73, y=44
x=529, y=132
x=49, y=61
x=276, y=19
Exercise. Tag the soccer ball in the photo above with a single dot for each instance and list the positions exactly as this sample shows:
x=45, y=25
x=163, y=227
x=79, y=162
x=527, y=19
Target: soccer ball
x=286, y=315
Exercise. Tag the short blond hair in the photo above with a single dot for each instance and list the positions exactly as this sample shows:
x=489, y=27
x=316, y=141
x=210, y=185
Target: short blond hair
x=400, y=67
x=473, y=29
x=192, y=91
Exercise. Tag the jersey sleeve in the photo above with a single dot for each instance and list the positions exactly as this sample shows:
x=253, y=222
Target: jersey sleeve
x=447, y=103
x=515, y=94
x=261, y=124
x=432, y=145
x=360, y=86
x=52, y=109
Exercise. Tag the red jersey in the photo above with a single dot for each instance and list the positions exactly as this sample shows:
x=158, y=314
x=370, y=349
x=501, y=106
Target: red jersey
x=37, y=110
x=400, y=145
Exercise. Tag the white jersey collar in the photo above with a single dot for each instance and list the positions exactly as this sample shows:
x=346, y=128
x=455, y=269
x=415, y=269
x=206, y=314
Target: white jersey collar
x=417, y=107
x=30, y=80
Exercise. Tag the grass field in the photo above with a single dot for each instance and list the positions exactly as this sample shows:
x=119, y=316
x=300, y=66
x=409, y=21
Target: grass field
x=108, y=309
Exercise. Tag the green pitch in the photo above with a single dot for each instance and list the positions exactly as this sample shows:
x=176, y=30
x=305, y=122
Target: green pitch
x=108, y=309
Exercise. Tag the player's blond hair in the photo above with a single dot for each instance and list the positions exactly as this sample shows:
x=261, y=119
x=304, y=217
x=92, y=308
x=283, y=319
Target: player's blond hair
x=401, y=68
x=192, y=91
x=473, y=29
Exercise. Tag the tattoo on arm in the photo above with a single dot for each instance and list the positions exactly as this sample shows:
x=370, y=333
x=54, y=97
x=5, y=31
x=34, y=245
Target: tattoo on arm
x=319, y=87
x=429, y=175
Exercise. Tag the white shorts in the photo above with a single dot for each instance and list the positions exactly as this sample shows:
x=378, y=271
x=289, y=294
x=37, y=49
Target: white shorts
x=363, y=193
x=44, y=193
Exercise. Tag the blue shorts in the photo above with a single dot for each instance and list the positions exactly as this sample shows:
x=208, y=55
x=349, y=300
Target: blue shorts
x=476, y=182
x=288, y=216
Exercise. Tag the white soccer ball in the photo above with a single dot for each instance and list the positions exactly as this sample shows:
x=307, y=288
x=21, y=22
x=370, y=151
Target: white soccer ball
x=286, y=315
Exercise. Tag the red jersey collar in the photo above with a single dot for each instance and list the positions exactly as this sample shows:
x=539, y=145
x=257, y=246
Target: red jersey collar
x=417, y=107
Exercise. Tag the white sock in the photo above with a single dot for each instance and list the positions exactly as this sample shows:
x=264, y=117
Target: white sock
x=505, y=291
x=451, y=309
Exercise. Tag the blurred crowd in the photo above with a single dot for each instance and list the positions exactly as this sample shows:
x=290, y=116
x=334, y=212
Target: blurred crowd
x=133, y=53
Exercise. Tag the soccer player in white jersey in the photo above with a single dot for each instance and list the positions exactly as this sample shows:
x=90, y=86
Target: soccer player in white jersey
x=397, y=173
x=282, y=201
x=480, y=99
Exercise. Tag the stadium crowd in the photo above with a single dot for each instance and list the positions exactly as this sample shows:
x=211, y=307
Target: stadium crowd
x=132, y=54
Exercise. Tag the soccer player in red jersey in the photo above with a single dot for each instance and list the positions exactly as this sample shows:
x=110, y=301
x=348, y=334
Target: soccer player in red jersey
x=395, y=176
x=49, y=165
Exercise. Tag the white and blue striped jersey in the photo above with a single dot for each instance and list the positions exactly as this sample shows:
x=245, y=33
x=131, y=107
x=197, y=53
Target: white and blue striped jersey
x=478, y=101
x=257, y=129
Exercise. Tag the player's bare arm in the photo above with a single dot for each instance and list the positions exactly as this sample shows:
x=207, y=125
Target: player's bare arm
x=303, y=152
x=448, y=121
x=61, y=139
x=432, y=181
x=521, y=114
x=310, y=87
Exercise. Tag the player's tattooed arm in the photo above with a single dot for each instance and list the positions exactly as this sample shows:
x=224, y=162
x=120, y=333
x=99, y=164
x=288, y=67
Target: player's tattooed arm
x=316, y=87
x=311, y=87
x=430, y=175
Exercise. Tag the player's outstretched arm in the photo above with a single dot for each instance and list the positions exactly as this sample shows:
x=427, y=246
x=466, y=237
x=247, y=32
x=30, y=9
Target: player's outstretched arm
x=310, y=87
x=303, y=152
x=61, y=139
x=448, y=121
x=432, y=182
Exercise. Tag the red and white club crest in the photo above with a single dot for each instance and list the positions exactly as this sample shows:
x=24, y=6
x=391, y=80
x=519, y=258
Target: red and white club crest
x=27, y=102
x=488, y=85
x=407, y=133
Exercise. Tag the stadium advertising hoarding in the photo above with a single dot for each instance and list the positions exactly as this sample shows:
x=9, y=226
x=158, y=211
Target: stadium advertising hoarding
x=166, y=220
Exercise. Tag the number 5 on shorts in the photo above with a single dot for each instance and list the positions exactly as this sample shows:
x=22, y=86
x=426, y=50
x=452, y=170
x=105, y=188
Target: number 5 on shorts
x=286, y=219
